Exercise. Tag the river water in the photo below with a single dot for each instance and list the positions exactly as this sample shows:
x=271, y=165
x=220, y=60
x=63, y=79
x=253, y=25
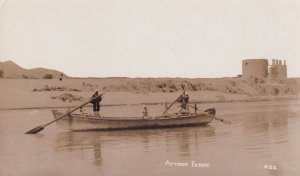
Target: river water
x=263, y=139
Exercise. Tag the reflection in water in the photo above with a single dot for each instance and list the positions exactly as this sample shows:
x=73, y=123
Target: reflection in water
x=184, y=145
x=262, y=130
x=265, y=121
x=97, y=152
x=181, y=137
x=262, y=133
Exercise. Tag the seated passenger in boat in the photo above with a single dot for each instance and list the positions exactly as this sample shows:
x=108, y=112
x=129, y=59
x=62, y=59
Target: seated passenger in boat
x=145, y=112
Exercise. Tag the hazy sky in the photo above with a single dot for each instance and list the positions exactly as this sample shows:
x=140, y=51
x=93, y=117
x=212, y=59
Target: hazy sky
x=149, y=38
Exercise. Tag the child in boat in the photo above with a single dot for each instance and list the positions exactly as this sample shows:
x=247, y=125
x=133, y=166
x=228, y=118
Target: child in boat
x=145, y=112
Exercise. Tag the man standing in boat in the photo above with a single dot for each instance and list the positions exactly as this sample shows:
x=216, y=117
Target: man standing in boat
x=96, y=103
x=183, y=100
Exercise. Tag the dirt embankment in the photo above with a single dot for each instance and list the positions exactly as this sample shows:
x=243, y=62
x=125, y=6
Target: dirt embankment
x=39, y=93
x=251, y=87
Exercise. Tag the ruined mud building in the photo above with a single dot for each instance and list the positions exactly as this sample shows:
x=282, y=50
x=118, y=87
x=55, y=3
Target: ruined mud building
x=260, y=68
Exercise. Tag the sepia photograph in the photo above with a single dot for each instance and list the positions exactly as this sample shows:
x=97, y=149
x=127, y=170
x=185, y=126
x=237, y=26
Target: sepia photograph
x=149, y=88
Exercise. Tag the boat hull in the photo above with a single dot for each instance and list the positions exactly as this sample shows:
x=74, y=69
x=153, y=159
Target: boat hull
x=81, y=122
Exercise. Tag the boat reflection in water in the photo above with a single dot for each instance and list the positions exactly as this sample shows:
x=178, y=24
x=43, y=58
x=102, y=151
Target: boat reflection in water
x=101, y=143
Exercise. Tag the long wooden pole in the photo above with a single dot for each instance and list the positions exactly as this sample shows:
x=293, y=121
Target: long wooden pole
x=217, y=118
x=171, y=105
x=41, y=127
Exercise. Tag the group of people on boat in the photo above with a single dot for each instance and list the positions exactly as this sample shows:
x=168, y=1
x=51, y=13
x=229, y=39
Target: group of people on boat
x=183, y=101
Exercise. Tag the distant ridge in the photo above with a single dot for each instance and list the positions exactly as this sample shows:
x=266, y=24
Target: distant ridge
x=14, y=71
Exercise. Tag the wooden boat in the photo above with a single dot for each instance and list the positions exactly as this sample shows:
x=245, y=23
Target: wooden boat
x=79, y=122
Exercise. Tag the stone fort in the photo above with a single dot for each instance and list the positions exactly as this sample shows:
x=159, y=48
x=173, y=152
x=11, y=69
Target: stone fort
x=260, y=68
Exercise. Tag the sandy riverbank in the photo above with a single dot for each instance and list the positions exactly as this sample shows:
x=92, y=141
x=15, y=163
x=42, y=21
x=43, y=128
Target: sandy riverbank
x=48, y=93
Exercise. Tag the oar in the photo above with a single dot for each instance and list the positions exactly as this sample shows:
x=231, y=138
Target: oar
x=171, y=105
x=222, y=120
x=41, y=127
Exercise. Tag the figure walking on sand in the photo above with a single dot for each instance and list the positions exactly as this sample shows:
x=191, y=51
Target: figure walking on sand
x=96, y=103
x=183, y=100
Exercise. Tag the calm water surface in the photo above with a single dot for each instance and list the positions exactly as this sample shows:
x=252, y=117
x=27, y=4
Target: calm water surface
x=264, y=139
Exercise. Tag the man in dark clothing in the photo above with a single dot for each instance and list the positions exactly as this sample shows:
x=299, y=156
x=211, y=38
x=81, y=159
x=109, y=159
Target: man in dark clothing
x=183, y=100
x=96, y=103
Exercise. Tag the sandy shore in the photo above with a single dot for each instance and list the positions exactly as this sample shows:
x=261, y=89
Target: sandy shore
x=50, y=93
